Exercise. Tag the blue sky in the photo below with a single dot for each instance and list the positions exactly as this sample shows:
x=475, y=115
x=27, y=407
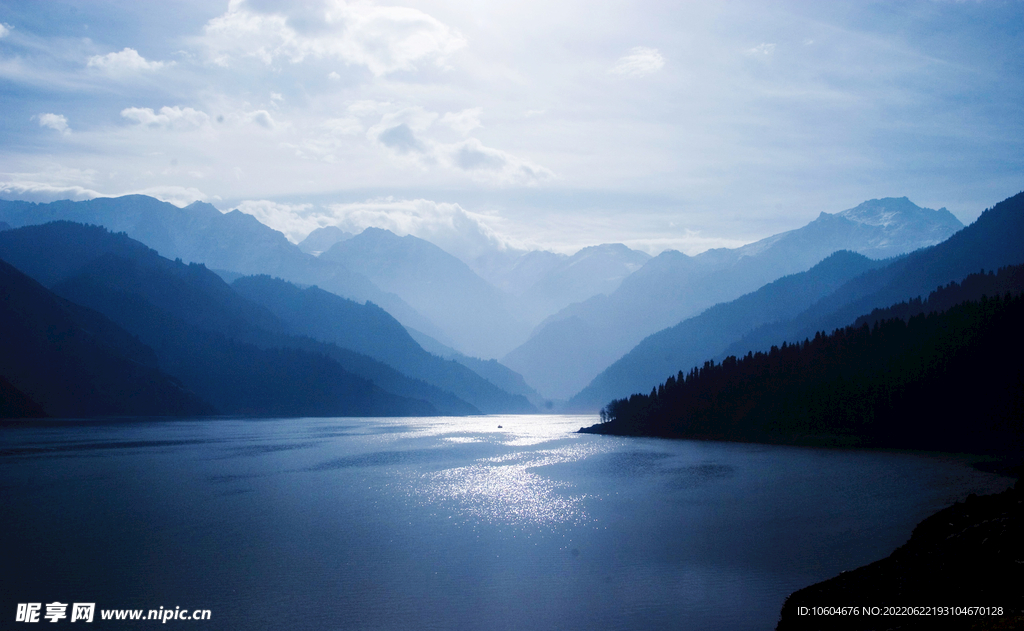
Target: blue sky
x=553, y=124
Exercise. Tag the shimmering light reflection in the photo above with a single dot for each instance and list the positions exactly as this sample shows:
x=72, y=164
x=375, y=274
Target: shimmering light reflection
x=504, y=490
x=513, y=430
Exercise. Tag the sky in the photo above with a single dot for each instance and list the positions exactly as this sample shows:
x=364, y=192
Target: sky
x=550, y=124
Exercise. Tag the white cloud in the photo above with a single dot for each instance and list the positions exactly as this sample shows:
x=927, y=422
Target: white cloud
x=128, y=60
x=383, y=39
x=261, y=118
x=487, y=164
x=463, y=122
x=639, y=62
x=169, y=117
x=403, y=133
x=461, y=233
x=294, y=220
x=5, y=29
x=56, y=122
x=761, y=49
x=43, y=192
x=180, y=196
x=334, y=76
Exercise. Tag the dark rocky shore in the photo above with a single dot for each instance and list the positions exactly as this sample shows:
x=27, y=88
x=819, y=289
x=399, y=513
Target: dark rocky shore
x=970, y=554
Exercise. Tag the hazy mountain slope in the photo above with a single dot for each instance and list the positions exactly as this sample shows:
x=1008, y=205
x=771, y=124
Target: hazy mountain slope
x=321, y=239
x=370, y=330
x=598, y=269
x=200, y=233
x=498, y=374
x=74, y=362
x=558, y=357
x=994, y=240
x=673, y=286
x=696, y=339
x=221, y=346
x=468, y=309
x=515, y=271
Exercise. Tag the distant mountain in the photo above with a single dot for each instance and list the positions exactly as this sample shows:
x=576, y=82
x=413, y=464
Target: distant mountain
x=515, y=271
x=991, y=242
x=594, y=270
x=673, y=286
x=498, y=374
x=4, y=226
x=61, y=359
x=370, y=330
x=228, y=350
x=321, y=239
x=199, y=233
x=471, y=312
x=696, y=339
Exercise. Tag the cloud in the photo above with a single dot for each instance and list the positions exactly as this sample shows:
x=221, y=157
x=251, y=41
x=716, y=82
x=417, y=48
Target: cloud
x=383, y=39
x=463, y=122
x=169, y=117
x=180, y=196
x=5, y=29
x=261, y=118
x=495, y=165
x=43, y=192
x=640, y=61
x=54, y=121
x=761, y=49
x=294, y=220
x=128, y=60
x=404, y=133
x=461, y=233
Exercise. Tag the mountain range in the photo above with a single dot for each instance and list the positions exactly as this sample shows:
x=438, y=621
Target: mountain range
x=831, y=295
x=570, y=348
x=231, y=352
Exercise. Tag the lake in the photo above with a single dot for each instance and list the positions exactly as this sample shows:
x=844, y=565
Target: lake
x=442, y=523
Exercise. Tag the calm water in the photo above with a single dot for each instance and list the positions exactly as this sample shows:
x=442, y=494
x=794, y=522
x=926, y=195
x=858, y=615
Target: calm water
x=442, y=523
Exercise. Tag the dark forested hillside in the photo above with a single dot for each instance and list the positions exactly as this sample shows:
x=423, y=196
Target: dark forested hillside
x=229, y=351
x=938, y=381
x=71, y=361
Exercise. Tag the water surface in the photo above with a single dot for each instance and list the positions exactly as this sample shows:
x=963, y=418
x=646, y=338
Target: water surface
x=443, y=523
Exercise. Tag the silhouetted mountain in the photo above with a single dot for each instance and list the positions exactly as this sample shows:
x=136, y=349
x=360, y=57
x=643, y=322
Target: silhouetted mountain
x=199, y=233
x=694, y=340
x=4, y=226
x=1008, y=279
x=228, y=350
x=490, y=369
x=370, y=330
x=673, y=286
x=991, y=242
x=940, y=381
x=472, y=313
x=73, y=362
x=321, y=239
x=967, y=552
x=15, y=404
